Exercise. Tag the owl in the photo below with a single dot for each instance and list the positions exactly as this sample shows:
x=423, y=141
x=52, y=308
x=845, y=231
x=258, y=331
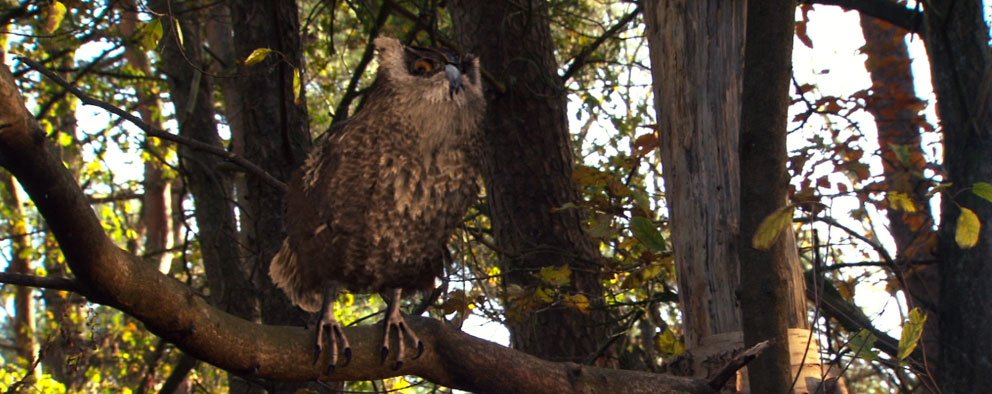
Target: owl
x=372, y=207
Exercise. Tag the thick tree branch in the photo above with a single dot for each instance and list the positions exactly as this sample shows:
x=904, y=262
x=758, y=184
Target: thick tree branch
x=886, y=10
x=152, y=131
x=173, y=311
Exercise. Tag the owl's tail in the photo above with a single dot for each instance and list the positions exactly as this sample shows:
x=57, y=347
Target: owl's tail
x=289, y=275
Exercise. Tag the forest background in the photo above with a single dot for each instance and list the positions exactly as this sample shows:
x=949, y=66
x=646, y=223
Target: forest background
x=573, y=250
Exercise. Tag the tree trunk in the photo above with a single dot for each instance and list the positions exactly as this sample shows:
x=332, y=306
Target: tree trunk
x=276, y=137
x=896, y=109
x=772, y=289
x=697, y=50
x=957, y=43
x=24, y=320
x=528, y=170
x=210, y=187
x=155, y=225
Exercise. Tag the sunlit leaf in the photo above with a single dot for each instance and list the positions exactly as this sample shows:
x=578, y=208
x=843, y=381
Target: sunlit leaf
x=647, y=232
x=544, y=294
x=912, y=331
x=152, y=34
x=257, y=56
x=669, y=343
x=556, y=276
x=901, y=201
x=983, y=190
x=966, y=234
x=578, y=301
x=770, y=228
x=179, y=32
x=297, y=86
x=54, y=16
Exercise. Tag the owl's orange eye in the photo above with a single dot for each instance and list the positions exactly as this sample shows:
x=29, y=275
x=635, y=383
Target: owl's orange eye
x=423, y=66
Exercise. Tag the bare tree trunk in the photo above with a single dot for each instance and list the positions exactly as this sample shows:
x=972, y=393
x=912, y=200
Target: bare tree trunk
x=697, y=52
x=894, y=105
x=24, y=319
x=961, y=63
x=276, y=137
x=772, y=287
x=528, y=172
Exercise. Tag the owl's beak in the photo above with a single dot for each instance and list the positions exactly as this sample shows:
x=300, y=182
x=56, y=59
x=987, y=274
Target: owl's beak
x=454, y=76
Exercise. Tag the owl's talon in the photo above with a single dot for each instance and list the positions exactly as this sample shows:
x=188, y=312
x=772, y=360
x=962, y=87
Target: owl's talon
x=329, y=332
x=398, y=365
x=383, y=354
x=420, y=349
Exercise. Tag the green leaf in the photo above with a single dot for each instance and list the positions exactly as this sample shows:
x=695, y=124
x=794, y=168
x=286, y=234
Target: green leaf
x=966, y=234
x=55, y=15
x=983, y=190
x=647, y=232
x=770, y=228
x=862, y=345
x=912, y=331
x=257, y=56
x=152, y=35
x=556, y=276
x=669, y=343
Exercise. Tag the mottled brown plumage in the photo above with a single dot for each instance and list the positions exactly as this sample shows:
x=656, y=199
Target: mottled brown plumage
x=374, y=204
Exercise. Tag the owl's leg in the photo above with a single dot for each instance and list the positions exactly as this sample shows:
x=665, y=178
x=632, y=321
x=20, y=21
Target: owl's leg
x=329, y=331
x=394, y=320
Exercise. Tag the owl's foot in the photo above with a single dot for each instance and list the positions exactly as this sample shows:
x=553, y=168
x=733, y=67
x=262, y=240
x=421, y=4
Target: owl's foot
x=394, y=321
x=329, y=332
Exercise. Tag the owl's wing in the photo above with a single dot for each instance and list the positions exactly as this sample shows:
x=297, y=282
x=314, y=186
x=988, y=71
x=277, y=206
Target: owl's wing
x=329, y=198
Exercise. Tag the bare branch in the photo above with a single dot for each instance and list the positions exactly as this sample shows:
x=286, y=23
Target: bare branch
x=886, y=10
x=155, y=132
x=730, y=370
x=582, y=58
x=44, y=282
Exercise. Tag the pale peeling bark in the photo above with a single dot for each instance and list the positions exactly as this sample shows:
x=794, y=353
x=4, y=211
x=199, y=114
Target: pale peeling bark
x=173, y=311
x=697, y=53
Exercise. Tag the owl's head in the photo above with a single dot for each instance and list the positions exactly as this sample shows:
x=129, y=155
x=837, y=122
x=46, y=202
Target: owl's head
x=438, y=75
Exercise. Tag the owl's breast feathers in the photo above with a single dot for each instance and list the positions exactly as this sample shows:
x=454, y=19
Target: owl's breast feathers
x=372, y=208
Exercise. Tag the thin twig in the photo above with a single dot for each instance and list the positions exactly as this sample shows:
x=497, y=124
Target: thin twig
x=583, y=57
x=155, y=132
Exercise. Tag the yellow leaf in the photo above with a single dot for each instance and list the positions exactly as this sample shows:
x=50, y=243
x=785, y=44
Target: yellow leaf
x=912, y=331
x=179, y=32
x=966, y=234
x=901, y=201
x=556, y=276
x=297, y=86
x=770, y=228
x=257, y=56
x=56, y=13
x=579, y=302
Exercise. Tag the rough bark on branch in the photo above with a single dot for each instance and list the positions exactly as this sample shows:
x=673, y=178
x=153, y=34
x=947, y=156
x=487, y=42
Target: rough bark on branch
x=173, y=311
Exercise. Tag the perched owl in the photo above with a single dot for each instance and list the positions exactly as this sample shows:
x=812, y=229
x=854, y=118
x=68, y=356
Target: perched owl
x=372, y=207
